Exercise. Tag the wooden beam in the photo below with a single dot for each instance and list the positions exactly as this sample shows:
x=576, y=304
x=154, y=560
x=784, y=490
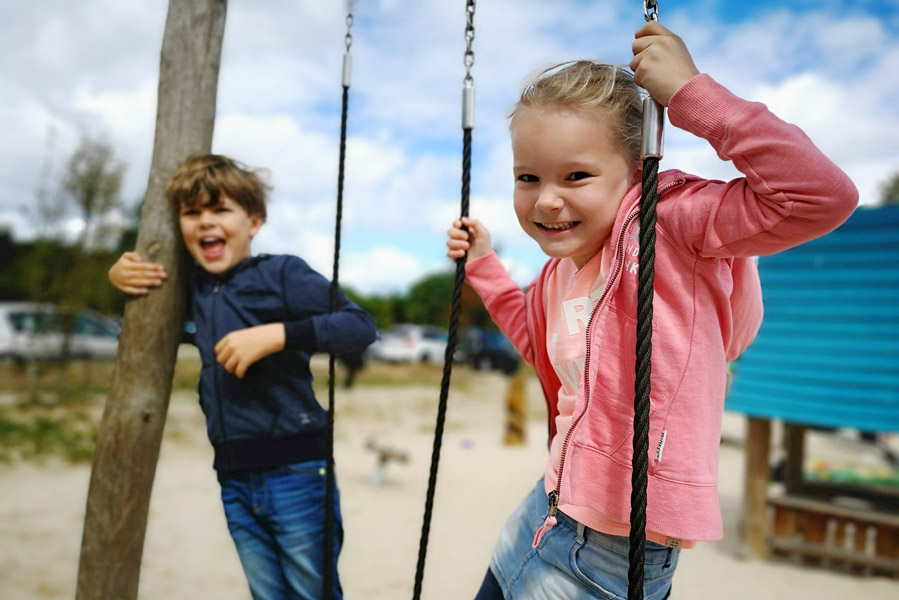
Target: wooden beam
x=758, y=441
x=794, y=445
x=131, y=428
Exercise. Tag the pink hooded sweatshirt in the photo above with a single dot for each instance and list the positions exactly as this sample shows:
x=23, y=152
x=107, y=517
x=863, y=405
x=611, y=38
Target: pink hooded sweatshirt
x=707, y=309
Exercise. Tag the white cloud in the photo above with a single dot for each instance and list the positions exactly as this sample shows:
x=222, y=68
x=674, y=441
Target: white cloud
x=383, y=268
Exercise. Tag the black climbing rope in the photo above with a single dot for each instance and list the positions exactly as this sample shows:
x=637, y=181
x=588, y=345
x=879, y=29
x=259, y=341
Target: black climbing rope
x=651, y=152
x=328, y=582
x=467, y=126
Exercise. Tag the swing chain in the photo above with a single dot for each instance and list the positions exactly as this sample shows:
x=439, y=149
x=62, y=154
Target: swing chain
x=469, y=39
x=651, y=10
x=347, y=58
x=349, y=25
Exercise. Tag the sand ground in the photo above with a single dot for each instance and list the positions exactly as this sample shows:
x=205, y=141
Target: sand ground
x=188, y=552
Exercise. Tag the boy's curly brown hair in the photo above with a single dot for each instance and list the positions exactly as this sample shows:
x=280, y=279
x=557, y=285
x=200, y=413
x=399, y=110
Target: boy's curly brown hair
x=205, y=178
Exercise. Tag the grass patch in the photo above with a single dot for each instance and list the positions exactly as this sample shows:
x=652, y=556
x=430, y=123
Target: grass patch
x=52, y=410
x=39, y=433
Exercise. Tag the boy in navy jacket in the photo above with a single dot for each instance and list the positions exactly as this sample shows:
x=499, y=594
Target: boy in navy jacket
x=259, y=319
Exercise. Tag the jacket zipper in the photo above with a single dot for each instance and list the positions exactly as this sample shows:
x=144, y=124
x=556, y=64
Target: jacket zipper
x=553, y=497
x=215, y=374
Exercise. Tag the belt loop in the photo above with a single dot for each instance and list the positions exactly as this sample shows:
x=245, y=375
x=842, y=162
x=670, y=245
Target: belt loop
x=580, y=533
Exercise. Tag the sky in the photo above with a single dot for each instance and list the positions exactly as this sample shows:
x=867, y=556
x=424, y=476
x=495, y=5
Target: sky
x=90, y=68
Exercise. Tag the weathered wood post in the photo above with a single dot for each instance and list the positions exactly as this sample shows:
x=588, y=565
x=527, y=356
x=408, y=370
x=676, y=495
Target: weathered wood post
x=131, y=428
x=755, y=494
x=515, y=411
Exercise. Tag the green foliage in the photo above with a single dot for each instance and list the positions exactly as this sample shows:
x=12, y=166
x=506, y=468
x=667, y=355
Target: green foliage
x=52, y=271
x=57, y=269
x=383, y=309
x=890, y=191
x=71, y=435
x=430, y=299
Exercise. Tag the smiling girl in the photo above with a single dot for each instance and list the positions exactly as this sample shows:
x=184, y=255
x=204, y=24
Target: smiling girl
x=575, y=145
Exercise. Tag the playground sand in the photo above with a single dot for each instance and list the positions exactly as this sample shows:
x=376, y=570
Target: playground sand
x=188, y=552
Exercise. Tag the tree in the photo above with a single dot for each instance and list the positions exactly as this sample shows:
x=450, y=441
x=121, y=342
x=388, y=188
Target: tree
x=55, y=268
x=430, y=298
x=130, y=433
x=890, y=191
x=93, y=182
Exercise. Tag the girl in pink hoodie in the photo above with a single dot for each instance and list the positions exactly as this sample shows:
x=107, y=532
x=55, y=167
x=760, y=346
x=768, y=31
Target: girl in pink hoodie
x=575, y=143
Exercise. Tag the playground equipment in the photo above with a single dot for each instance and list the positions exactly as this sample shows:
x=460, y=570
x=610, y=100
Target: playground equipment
x=827, y=355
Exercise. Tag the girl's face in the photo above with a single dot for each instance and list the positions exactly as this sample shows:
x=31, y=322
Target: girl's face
x=218, y=236
x=569, y=180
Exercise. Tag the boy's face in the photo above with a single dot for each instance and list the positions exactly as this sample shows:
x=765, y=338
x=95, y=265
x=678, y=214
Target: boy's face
x=218, y=236
x=569, y=180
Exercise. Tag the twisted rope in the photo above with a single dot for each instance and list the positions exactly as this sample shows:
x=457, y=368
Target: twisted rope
x=447, y=371
x=330, y=567
x=648, y=201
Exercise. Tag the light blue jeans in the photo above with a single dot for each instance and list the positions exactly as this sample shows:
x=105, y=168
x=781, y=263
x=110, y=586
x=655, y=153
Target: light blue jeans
x=277, y=520
x=571, y=562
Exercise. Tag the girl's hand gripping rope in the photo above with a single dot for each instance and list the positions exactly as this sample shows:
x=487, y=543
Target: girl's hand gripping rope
x=475, y=240
x=661, y=64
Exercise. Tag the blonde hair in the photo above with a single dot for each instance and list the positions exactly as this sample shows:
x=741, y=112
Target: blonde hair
x=206, y=177
x=588, y=86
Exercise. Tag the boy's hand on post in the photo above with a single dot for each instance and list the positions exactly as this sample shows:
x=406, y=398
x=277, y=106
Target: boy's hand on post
x=134, y=276
x=238, y=350
x=476, y=240
x=661, y=64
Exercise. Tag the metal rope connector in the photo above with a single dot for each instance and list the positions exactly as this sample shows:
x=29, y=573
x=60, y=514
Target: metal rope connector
x=468, y=61
x=468, y=104
x=651, y=142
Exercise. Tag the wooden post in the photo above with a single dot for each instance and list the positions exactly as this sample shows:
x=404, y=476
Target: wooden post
x=758, y=440
x=131, y=428
x=794, y=444
x=515, y=412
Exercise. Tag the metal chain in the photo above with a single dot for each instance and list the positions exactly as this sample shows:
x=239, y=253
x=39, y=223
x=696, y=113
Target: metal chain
x=469, y=39
x=651, y=10
x=349, y=24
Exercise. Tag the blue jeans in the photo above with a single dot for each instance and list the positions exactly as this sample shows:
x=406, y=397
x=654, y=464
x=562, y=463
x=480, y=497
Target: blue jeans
x=277, y=520
x=571, y=562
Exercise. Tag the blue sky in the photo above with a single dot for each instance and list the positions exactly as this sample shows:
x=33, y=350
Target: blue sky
x=91, y=68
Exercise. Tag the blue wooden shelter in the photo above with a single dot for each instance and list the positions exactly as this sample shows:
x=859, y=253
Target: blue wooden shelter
x=827, y=352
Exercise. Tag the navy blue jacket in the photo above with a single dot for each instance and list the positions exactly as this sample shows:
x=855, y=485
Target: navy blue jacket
x=270, y=417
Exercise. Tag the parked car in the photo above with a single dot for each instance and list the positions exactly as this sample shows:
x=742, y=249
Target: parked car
x=27, y=331
x=93, y=337
x=410, y=343
x=34, y=331
x=486, y=349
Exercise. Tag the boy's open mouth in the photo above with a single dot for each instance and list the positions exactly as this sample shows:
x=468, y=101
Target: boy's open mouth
x=212, y=247
x=558, y=226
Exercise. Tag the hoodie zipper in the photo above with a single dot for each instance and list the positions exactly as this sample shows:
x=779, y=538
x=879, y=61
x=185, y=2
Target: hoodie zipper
x=215, y=373
x=553, y=496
